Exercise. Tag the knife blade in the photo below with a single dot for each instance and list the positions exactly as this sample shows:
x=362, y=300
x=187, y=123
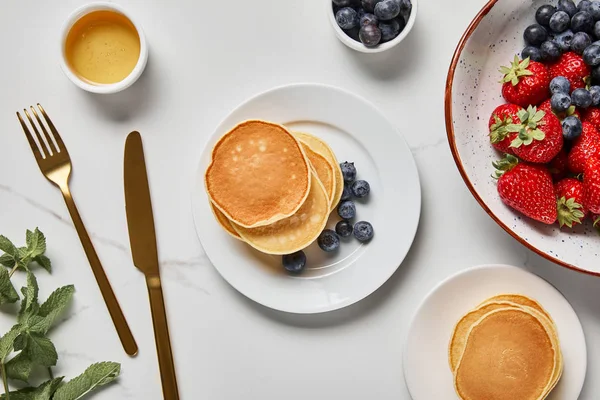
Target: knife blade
x=142, y=237
x=138, y=207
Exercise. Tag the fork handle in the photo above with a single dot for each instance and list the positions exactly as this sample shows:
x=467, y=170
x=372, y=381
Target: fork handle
x=161, y=337
x=125, y=335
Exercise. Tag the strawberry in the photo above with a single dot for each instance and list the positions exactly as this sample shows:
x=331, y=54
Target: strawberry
x=572, y=67
x=585, y=146
x=503, y=116
x=525, y=82
x=540, y=136
x=592, y=115
x=569, y=204
x=526, y=188
x=546, y=107
x=559, y=166
x=591, y=185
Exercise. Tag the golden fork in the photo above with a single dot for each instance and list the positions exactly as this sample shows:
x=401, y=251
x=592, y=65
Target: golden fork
x=54, y=162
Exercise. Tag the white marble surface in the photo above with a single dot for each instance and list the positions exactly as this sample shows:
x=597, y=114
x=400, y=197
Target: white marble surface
x=206, y=57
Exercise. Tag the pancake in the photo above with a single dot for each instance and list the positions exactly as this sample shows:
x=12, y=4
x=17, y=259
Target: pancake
x=319, y=146
x=509, y=355
x=520, y=299
x=323, y=169
x=294, y=233
x=259, y=174
x=224, y=222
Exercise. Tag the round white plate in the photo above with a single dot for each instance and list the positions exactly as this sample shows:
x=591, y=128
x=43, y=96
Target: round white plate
x=426, y=368
x=357, y=132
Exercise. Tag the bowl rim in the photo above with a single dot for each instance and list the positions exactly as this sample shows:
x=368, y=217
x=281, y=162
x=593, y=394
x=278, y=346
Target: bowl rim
x=358, y=46
x=452, y=142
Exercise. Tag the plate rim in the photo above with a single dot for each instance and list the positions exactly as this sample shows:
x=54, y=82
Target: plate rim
x=465, y=272
x=455, y=153
x=418, y=193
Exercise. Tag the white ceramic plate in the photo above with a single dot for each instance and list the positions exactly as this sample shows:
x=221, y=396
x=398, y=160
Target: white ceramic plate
x=426, y=369
x=472, y=93
x=357, y=132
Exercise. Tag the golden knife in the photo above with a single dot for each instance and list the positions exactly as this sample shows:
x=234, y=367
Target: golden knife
x=145, y=256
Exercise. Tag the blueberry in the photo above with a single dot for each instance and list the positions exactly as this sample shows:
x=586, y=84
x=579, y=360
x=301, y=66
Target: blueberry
x=544, y=13
x=563, y=40
x=581, y=98
x=584, y=5
x=595, y=92
x=560, y=84
x=387, y=9
x=363, y=231
x=535, y=35
x=591, y=55
x=580, y=41
x=567, y=6
x=571, y=128
x=343, y=3
x=595, y=10
x=346, y=209
x=348, y=171
x=328, y=240
x=596, y=75
x=368, y=19
x=550, y=51
x=347, y=193
x=533, y=53
x=582, y=22
x=405, y=9
x=347, y=18
x=295, y=262
x=344, y=228
x=370, y=35
x=560, y=102
x=389, y=30
x=597, y=29
x=369, y=5
x=361, y=189
x=559, y=22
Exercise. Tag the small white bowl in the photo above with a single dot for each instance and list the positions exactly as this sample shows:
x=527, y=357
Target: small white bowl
x=358, y=46
x=102, y=87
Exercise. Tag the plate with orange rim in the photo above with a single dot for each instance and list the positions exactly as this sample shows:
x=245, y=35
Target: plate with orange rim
x=358, y=132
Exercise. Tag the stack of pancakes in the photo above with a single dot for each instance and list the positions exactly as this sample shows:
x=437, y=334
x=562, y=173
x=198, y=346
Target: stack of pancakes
x=505, y=349
x=272, y=188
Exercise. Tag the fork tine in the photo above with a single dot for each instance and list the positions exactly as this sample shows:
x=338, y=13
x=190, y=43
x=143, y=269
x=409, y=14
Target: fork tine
x=36, y=151
x=59, y=142
x=46, y=135
x=41, y=142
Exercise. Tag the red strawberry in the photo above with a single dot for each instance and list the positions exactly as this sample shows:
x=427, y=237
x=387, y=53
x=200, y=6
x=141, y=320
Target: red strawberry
x=592, y=115
x=559, y=166
x=527, y=188
x=540, y=136
x=546, y=107
x=525, y=82
x=591, y=185
x=569, y=204
x=572, y=67
x=503, y=116
x=585, y=146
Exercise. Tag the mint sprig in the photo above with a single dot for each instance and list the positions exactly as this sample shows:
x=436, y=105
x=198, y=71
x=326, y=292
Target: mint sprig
x=27, y=345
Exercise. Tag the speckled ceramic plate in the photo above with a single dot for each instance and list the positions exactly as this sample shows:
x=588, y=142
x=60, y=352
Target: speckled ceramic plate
x=472, y=93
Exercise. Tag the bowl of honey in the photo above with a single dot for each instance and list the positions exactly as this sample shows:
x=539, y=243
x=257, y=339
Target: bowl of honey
x=103, y=49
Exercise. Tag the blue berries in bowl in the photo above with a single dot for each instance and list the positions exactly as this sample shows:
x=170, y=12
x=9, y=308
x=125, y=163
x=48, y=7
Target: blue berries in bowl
x=372, y=25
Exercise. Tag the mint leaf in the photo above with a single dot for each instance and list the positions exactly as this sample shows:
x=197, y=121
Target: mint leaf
x=29, y=305
x=36, y=243
x=55, y=305
x=43, y=261
x=95, y=376
x=42, y=392
x=40, y=349
x=19, y=367
x=7, y=260
x=8, y=340
x=7, y=246
x=8, y=294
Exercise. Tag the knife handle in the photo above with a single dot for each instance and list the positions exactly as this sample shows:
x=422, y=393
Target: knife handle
x=161, y=337
x=114, y=309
